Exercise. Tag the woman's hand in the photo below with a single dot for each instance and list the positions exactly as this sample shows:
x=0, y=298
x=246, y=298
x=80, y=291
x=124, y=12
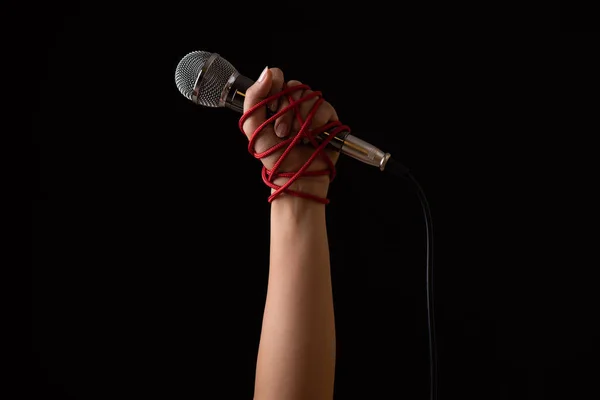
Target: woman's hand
x=285, y=128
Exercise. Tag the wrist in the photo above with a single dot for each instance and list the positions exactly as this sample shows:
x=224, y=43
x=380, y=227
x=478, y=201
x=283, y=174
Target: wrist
x=314, y=185
x=298, y=210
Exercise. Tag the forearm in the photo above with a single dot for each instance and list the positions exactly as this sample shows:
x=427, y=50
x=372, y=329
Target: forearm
x=296, y=358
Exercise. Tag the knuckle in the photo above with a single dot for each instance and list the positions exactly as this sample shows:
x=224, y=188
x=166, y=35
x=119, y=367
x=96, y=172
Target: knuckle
x=250, y=92
x=327, y=107
x=276, y=71
x=321, y=118
x=325, y=114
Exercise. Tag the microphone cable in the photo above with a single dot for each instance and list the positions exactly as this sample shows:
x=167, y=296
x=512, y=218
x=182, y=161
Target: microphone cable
x=396, y=168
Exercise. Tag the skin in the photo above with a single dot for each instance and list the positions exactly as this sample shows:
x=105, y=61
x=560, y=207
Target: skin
x=296, y=356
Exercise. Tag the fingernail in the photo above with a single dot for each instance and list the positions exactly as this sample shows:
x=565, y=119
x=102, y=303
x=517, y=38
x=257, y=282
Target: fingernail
x=274, y=105
x=262, y=75
x=281, y=130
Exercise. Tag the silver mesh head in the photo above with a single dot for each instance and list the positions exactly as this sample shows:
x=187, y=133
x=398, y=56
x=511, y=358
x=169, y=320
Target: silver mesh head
x=214, y=78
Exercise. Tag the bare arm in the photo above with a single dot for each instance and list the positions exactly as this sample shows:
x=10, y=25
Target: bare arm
x=296, y=358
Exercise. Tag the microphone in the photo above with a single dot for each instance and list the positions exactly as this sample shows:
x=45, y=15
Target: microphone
x=209, y=80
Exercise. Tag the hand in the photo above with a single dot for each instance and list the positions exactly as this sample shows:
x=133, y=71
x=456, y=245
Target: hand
x=285, y=128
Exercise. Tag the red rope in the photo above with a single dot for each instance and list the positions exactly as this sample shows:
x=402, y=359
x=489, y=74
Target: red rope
x=269, y=176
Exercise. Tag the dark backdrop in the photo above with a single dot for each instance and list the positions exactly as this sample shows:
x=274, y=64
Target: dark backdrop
x=578, y=16
x=151, y=222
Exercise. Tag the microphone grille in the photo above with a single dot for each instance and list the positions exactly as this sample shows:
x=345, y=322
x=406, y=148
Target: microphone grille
x=211, y=83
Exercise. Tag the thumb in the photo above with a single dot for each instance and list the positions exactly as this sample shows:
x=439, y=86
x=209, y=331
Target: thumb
x=254, y=95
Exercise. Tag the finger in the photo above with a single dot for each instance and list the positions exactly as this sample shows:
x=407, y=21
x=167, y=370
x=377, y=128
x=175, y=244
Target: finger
x=283, y=123
x=324, y=115
x=276, y=87
x=295, y=95
x=254, y=95
x=306, y=106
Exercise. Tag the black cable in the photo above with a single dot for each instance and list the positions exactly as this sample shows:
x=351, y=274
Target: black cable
x=398, y=169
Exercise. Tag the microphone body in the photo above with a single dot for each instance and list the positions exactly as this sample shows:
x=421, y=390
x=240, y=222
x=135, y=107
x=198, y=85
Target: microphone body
x=212, y=76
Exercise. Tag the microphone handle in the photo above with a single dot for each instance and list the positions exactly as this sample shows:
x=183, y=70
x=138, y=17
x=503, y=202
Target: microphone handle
x=233, y=96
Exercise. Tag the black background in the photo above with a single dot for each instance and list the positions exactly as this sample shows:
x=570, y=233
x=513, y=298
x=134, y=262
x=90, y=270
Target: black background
x=151, y=222
x=578, y=16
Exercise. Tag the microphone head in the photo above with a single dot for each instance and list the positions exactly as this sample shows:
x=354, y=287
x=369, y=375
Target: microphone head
x=202, y=77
